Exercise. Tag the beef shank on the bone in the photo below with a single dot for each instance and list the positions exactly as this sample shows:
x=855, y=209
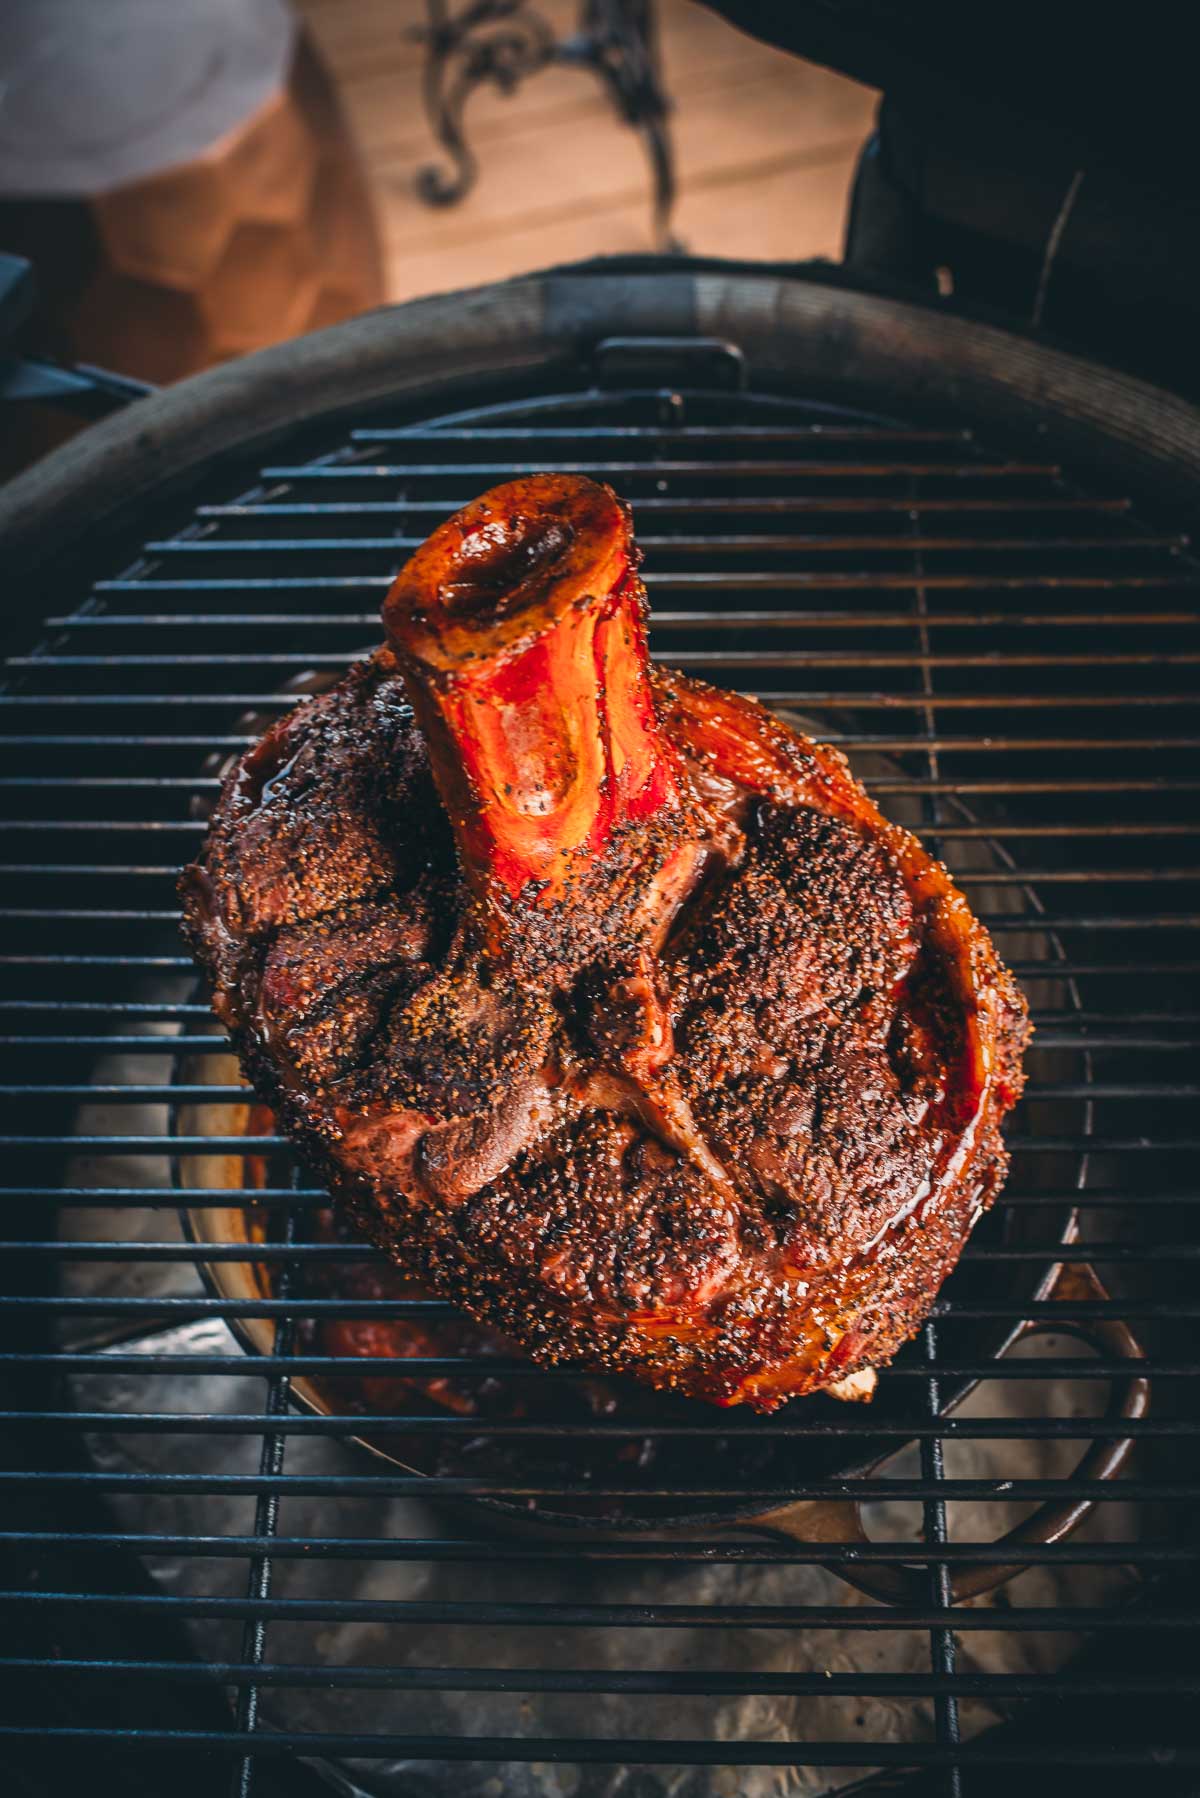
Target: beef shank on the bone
x=606, y=1004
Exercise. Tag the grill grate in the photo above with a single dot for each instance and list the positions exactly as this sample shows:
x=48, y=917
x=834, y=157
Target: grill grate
x=995, y=645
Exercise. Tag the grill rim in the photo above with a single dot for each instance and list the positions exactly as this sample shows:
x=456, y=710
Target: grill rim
x=832, y=340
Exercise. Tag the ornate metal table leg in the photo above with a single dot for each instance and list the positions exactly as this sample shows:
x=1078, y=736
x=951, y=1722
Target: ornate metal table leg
x=619, y=42
x=503, y=41
x=499, y=41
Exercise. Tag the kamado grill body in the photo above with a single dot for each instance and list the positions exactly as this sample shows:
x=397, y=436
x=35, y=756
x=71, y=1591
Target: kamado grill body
x=962, y=556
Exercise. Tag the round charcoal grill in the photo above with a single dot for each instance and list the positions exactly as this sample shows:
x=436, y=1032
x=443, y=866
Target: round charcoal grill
x=962, y=557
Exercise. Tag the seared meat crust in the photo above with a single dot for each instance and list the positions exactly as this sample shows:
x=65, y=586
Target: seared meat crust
x=843, y=1045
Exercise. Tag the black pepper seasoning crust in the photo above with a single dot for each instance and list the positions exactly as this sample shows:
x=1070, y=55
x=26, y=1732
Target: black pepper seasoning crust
x=819, y=1003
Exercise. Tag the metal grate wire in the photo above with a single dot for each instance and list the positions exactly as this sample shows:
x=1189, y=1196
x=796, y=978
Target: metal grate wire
x=1019, y=653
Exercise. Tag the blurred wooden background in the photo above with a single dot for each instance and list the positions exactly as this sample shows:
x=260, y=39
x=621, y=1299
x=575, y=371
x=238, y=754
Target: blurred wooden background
x=265, y=229
x=765, y=148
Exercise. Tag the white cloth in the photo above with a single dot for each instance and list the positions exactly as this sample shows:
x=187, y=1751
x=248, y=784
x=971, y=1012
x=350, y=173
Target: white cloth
x=98, y=93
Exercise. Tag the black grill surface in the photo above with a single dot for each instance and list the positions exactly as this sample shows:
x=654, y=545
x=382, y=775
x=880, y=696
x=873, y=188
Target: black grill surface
x=1008, y=655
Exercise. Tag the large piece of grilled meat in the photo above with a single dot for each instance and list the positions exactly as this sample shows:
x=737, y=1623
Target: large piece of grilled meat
x=606, y=1004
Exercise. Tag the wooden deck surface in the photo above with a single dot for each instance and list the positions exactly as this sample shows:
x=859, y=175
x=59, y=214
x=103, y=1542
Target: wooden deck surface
x=765, y=146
